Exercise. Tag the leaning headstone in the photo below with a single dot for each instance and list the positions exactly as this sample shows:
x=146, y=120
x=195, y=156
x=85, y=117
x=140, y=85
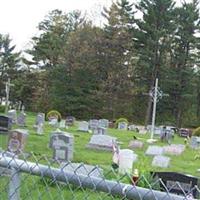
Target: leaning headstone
x=12, y=114
x=82, y=169
x=154, y=150
x=83, y=126
x=161, y=161
x=195, y=142
x=21, y=119
x=174, y=149
x=17, y=140
x=104, y=123
x=102, y=142
x=136, y=144
x=122, y=125
x=63, y=145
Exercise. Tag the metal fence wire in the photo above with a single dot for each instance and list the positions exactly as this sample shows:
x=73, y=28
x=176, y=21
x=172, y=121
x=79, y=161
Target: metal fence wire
x=30, y=177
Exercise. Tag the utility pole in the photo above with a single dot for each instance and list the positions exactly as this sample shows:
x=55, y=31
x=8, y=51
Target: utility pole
x=8, y=85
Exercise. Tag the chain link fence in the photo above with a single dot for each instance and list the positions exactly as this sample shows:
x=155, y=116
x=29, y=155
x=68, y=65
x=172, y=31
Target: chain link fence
x=31, y=177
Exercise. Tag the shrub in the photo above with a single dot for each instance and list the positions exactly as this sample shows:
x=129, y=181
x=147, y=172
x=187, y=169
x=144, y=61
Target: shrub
x=120, y=120
x=196, y=132
x=54, y=113
x=2, y=108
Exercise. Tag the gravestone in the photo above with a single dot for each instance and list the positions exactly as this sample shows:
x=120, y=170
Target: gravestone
x=101, y=142
x=21, y=119
x=12, y=114
x=83, y=126
x=82, y=169
x=185, y=132
x=53, y=121
x=17, y=140
x=122, y=125
x=177, y=183
x=100, y=131
x=136, y=144
x=63, y=145
x=40, y=119
x=5, y=124
x=104, y=123
x=93, y=124
x=161, y=161
x=133, y=128
x=40, y=129
x=195, y=142
x=154, y=150
x=174, y=149
x=69, y=120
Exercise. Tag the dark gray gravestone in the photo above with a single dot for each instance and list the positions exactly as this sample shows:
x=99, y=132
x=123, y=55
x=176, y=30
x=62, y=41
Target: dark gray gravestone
x=70, y=120
x=178, y=183
x=5, y=124
x=63, y=145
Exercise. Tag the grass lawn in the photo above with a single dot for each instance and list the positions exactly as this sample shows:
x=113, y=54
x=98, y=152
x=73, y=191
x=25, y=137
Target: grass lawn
x=38, y=144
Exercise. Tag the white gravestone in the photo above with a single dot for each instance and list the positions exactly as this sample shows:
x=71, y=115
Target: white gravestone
x=161, y=161
x=83, y=126
x=154, y=150
x=174, y=149
x=122, y=125
x=102, y=142
x=104, y=123
x=82, y=169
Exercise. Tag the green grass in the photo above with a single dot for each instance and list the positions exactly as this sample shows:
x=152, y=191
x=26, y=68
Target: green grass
x=38, y=144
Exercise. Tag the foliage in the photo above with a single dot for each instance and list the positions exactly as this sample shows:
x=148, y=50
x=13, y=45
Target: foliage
x=54, y=113
x=120, y=120
x=196, y=132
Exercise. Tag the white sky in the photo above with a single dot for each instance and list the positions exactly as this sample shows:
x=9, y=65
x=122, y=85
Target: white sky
x=20, y=18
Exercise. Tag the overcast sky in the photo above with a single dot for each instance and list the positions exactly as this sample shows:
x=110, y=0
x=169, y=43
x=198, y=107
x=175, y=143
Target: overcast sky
x=19, y=18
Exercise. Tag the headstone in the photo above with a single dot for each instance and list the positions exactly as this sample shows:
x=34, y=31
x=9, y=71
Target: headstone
x=178, y=183
x=184, y=132
x=40, y=119
x=161, y=161
x=100, y=131
x=40, y=129
x=21, y=119
x=101, y=142
x=93, y=124
x=82, y=169
x=122, y=125
x=136, y=144
x=195, y=142
x=17, y=140
x=83, y=126
x=12, y=114
x=174, y=149
x=62, y=124
x=53, y=121
x=154, y=150
x=133, y=128
x=63, y=145
x=70, y=121
x=5, y=124
x=104, y=123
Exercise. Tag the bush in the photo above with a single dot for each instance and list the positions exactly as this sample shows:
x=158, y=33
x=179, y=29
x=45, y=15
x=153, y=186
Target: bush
x=54, y=113
x=196, y=132
x=2, y=108
x=120, y=120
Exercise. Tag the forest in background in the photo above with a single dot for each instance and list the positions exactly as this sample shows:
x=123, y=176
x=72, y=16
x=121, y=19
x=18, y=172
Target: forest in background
x=87, y=71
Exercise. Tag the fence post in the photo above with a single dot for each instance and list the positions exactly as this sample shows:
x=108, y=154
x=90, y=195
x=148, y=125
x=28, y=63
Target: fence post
x=14, y=185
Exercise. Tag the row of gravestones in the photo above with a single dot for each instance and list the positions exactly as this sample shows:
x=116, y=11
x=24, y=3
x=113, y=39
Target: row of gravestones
x=19, y=119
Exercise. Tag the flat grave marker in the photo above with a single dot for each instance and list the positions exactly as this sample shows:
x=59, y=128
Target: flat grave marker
x=174, y=149
x=154, y=150
x=161, y=161
x=136, y=144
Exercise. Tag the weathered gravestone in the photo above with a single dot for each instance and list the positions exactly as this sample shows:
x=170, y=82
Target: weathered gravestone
x=178, y=183
x=40, y=119
x=21, y=119
x=12, y=114
x=122, y=125
x=40, y=129
x=82, y=169
x=99, y=131
x=70, y=120
x=161, y=161
x=17, y=140
x=101, y=142
x=195, y=142
x=83, y=126
x=53, y=121
x=63, y=145
x=104, y=123
x=136, y=144
x=5, y=124
x=154, y=150
x=93, y=124
x=174, y=149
